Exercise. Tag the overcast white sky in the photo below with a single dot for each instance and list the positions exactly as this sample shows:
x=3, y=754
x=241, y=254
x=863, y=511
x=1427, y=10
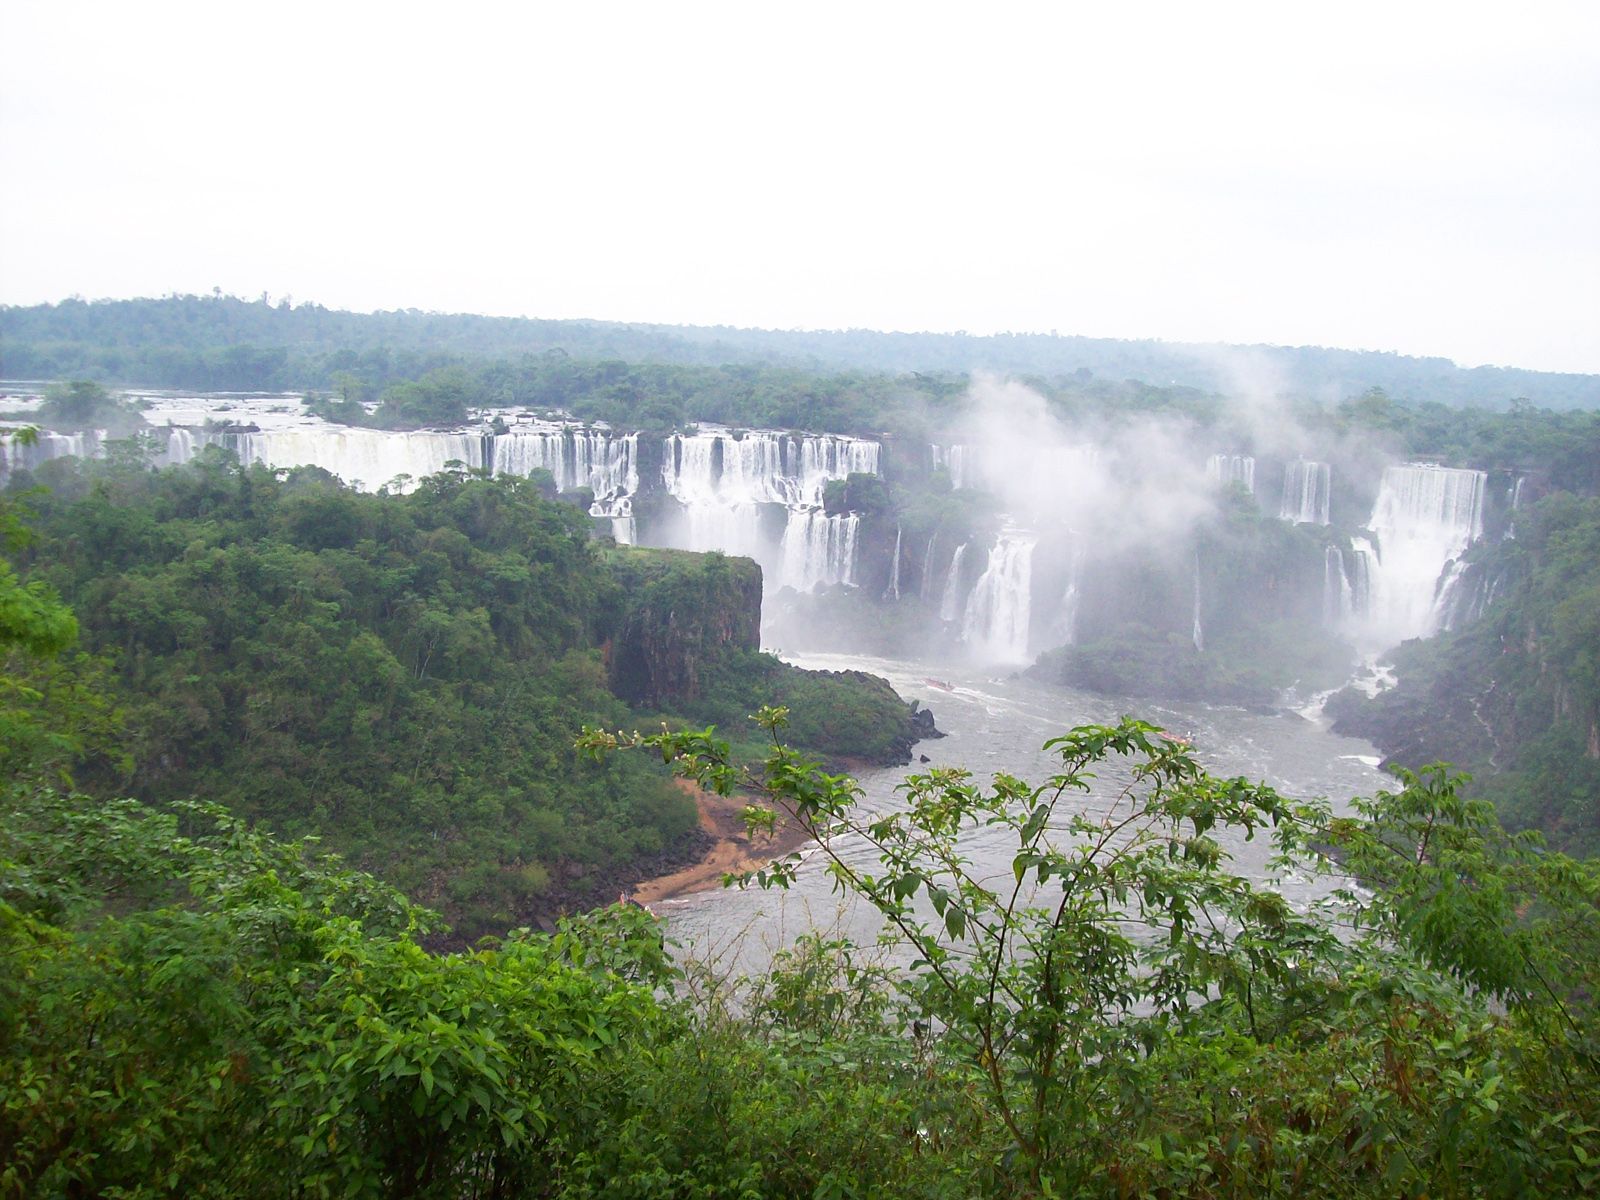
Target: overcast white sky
x=1414, y=177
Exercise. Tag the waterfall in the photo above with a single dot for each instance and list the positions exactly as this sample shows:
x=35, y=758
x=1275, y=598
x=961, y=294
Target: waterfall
x=180, y=446
x=1363, y=558
x=725, y=481
x=1338, y=597
x=731, y=528
x=995, y=627
x=1306, y=489
x=365, y=458
x=927, y=566
x=1232, y=468
x=818, y=549
x=1065, y=630
x=826, y=457
x=1424, y=519
x=761, y=466
x=599, y=460
x=1198, y=632
x=1468, y=593
x=605, y=463
x=894, y=569
x=958, y=462
x=950, y=605
x=368, y=458
x=14, y=456
x=1513, y=503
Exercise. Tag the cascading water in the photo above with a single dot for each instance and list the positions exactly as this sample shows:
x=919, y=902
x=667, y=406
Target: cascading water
x=1307, y=487
x=368, y=458
x=605, y=463
x=1338, y=597
x=1198, y=633
x=1232, y=468
x=725, y=481
x=995, y=628
x=1424, y=519
x=953, y=459
x=760, y=466
x=179, y=446
x=950, y=604
x=602, y=461
x=819, y=549
x=927, y=567
x=1064, y=632
x=1466, y=596
x=1513, y=503
x=15, y=456
x=893, y=592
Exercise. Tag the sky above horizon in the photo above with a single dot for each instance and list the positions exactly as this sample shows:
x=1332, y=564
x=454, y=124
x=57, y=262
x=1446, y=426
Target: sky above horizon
x=1419, y=178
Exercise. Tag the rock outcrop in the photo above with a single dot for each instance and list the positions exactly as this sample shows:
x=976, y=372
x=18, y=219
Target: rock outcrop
x=680, y=610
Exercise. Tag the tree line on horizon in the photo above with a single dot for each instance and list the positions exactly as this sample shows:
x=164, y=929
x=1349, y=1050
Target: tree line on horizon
x=223, y=343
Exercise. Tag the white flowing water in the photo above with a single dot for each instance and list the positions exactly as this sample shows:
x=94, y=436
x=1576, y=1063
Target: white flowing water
x=724, y=480
x=718, y=466
x=1232, y=468
x=14, y=456
x=1338, y=597
x=1064, y=630
x=364, y=458
x=995, y=627
x=1424, y=519
x=955, y=460
x=1307, y=488
x=819, y=549
x=729, y=485
x=927, y=567
x=606, y=463
x=950, y=604
x=893, y=592
x=1197, y=632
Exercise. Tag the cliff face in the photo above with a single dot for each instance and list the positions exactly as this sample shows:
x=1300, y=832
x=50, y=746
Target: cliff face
x=1514, y=695
x=682, y=611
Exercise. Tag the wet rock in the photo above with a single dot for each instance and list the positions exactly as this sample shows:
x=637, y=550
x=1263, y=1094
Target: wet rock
x=922, y=722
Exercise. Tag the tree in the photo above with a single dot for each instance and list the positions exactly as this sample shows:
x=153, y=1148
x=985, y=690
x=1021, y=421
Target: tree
x=83, y=404
x=1141, y=1020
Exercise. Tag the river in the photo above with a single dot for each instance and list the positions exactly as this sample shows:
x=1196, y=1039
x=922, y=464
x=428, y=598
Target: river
x=998, y=723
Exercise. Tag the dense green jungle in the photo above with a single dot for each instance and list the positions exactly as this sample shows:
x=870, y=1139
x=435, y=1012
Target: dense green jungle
x=315, y=801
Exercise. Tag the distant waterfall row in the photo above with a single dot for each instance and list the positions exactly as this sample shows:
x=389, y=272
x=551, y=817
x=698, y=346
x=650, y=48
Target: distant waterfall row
x=761, y=467
x=1401, y=577
x=14, y=456
x=761, y=493
x=754, y=492
x=1307, y=486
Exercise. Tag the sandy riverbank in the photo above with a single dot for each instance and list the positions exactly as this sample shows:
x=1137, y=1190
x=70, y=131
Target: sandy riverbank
x=733, y=849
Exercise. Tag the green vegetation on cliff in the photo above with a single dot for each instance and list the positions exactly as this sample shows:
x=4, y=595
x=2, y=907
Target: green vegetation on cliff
x=402, y=676
x=1515, y=695
x=1261, y=626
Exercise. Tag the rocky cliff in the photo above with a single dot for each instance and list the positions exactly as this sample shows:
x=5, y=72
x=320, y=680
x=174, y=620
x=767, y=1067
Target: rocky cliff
x=681, y=611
